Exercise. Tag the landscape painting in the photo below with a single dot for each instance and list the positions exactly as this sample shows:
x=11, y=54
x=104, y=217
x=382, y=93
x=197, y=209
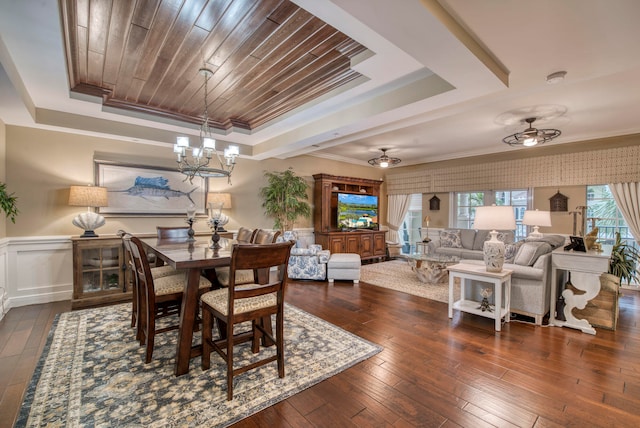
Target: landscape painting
x=147, y=190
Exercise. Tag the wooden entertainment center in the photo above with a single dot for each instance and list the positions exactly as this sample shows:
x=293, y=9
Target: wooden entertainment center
x=368, y=243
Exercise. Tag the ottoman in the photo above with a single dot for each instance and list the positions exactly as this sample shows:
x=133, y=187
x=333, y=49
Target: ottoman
x=344, y=266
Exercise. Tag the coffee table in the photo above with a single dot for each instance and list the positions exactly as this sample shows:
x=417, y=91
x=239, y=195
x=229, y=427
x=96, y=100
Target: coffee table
x=431, y=268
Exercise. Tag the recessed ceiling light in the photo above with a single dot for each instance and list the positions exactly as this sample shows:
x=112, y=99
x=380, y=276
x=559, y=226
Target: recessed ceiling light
x=556, y=77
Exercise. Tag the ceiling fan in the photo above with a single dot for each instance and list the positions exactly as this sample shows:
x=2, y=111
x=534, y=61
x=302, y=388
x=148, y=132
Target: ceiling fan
x=531, y=136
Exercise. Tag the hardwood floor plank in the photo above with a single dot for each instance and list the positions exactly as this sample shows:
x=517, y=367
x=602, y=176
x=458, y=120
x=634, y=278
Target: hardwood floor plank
x=432, y=371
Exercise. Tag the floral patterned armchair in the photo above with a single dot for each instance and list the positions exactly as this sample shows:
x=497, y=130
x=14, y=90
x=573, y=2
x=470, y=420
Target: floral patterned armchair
x=306, y=263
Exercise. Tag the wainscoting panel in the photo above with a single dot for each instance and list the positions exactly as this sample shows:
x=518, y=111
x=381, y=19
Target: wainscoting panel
x=38, y=270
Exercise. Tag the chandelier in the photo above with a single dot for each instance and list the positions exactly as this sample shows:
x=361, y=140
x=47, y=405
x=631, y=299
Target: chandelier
x=198, y=163
x=531, y=136
x=384, y=161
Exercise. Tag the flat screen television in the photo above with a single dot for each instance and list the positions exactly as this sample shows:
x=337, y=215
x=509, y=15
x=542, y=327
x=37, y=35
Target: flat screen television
x=357, y=211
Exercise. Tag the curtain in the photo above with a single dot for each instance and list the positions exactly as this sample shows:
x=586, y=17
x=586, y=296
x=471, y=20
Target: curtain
x=627, y=197
x=398, y=207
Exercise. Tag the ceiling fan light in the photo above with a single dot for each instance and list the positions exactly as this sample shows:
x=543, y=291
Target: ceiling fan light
x=384, y=161
x=530, y=141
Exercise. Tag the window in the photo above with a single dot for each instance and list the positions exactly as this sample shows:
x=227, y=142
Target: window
x=410, y=231
x=465, y=209
x=603, y=213
x=466, y=203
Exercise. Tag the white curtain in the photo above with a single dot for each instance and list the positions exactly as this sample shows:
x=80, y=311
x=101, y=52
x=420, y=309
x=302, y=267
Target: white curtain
x=627, y=197
x=398, y=207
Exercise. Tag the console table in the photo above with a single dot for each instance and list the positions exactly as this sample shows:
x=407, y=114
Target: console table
x=467, y=272
x=585, y=270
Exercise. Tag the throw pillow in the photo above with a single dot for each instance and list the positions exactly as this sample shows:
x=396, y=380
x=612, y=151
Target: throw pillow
x=554, y=240
x=450, y=239
x=510, y=251
x=529, y=253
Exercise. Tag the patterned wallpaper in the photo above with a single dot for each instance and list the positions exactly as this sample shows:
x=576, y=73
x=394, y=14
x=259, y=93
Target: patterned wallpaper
x=615, y=165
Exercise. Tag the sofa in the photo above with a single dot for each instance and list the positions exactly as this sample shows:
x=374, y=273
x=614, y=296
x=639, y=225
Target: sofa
x=529, y=259
x=308, y=262
x=465, y=243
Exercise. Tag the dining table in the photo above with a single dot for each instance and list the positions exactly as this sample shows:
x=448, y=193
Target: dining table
x=193, y=256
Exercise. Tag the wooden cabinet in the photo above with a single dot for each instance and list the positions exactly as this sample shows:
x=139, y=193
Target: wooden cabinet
x=325, y=197
x=100, y=276
x=369, y=244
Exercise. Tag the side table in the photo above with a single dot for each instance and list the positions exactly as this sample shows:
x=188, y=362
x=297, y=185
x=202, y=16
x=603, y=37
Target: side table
x=501, y=282
x=585, y=269
x=422, y=247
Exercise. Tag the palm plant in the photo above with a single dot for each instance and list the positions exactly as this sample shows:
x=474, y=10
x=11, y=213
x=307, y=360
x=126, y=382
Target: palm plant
x=8, y=203
x=285, y=198
x=623, y=260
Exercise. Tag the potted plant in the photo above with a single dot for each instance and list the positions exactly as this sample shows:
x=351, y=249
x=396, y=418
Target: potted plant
x=8, y=203
x=622, y=263
x=285, y=198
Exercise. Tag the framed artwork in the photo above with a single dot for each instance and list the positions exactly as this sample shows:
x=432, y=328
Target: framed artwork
x=148, y=190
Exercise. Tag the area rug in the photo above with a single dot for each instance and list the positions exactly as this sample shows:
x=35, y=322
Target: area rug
x=397, y=275
x=91, y=373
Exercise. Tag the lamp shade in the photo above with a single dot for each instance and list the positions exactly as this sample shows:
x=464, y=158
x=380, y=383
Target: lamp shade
x=223, y=200
x=88, y=196
x=537, y=218
x=494, y=218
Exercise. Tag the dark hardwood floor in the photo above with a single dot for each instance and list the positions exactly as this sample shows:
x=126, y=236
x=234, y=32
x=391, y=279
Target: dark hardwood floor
x=432, y=372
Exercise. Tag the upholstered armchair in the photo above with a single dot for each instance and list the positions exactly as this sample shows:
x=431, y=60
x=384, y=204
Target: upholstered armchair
x=306, y=263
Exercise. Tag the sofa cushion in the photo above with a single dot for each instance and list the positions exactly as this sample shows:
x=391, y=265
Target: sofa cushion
x=524, y=272
x=480, y=237
x=466, y=238
x=529, y=253
x=450, y=239
x=457, y=252
x=471, y=254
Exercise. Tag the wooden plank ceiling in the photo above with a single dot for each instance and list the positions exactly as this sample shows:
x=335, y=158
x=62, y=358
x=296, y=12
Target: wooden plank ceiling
x=268, y=57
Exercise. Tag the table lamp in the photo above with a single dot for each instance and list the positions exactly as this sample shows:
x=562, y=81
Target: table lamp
x=536, y=219
x=90, y=197
x=494, y=218
x=219, y=201
x=427, y=219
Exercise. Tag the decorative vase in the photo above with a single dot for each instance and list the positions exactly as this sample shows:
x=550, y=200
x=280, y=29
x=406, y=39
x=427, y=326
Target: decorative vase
x=493, y=250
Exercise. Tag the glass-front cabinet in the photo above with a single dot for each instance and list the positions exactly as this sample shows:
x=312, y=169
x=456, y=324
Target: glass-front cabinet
x=100, y=274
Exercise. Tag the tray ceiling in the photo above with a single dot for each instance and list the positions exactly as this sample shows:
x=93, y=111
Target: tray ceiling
x=268, y=57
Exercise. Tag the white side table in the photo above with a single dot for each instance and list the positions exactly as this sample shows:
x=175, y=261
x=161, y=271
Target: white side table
x=500, y=281
x=585, y=269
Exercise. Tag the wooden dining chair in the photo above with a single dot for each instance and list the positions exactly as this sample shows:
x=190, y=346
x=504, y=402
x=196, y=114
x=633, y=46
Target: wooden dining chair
x=263, y=236
x=165, y=232
x=247, y=302
x=245, y=235
x=156, y=272
x=159, y=297
x=258, y=236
